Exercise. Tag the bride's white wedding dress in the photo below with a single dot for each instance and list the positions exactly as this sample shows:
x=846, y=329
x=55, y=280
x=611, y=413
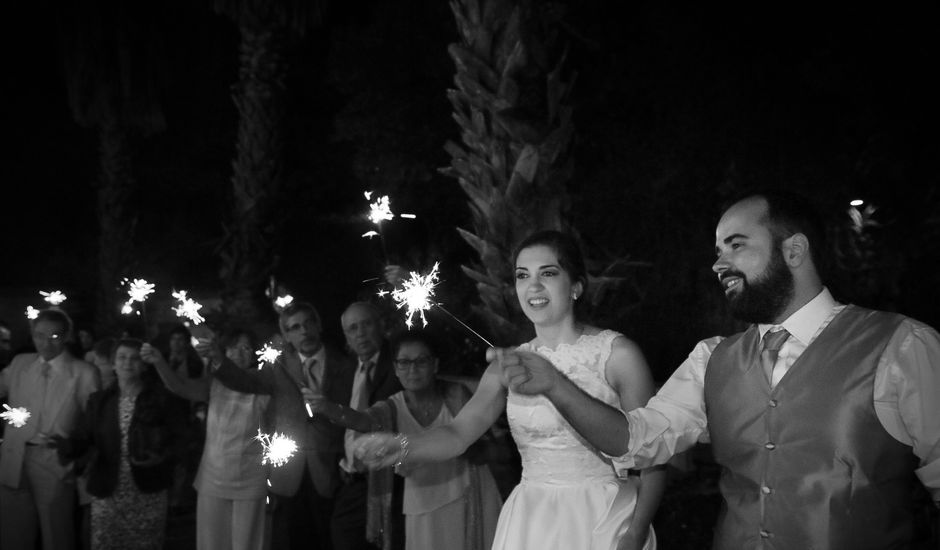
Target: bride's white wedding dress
x=569, y=497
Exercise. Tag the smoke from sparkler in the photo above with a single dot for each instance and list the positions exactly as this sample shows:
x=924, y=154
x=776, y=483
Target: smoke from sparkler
x=276, y=448
x=55, y=297
x=415, y=295
x=15, y=416
x=188, y=308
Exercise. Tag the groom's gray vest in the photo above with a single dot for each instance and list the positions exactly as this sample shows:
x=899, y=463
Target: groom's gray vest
x=808, y=465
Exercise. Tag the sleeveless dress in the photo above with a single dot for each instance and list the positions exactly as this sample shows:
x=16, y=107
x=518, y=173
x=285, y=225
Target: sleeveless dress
x=569, y=496
x=436, y=501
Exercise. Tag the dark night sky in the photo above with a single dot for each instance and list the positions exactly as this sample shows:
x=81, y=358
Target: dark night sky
x=798, y=93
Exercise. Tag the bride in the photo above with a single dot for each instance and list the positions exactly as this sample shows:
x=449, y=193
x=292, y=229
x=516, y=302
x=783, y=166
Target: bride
x=569, y=495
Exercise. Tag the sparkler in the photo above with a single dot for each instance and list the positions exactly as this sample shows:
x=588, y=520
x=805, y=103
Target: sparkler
x=55, y=297
x=416, y=296
x=381, y=211
x=188, y=307
x=267, y=354
x=283, y=301
x=15, y=416
x=31, y=312
x=276, y=448
x=138, y=290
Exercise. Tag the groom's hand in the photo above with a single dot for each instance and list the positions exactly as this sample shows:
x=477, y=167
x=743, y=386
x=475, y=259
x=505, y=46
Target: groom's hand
x=525, y=372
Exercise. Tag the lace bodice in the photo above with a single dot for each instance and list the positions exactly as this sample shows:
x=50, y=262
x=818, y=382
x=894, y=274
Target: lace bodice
x=551, y=450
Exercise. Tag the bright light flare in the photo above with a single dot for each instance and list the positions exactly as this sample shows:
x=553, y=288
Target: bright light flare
x=283, y=301
x=138, y=290
x=415, y=295
x=55, y=297
x=126, y=309
x=380, y=210
x=370, y=234
x=409, y=216
x=31, y=312
x=15, y=416
x=856, y=202
x=267, y=354
x=188, y=308
x=276, y=448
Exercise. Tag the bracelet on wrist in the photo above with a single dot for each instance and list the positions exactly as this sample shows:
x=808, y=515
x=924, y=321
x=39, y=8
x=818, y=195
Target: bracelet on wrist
x=403, y=449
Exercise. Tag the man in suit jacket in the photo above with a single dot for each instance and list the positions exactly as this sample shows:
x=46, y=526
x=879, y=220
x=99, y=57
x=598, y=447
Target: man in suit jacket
x=374, y=380
x=37, y=489
x=308, y=482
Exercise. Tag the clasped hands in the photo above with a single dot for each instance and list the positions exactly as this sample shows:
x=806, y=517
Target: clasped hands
x=525, y=372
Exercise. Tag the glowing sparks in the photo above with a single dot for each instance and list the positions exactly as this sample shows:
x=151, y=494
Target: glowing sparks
x=126, y=309
x=408, y=216
x=55, y=297
x=193, y=341
x=267, y=354
x=276, y=448
x=31, y=312
x=138, y=290
x=283, y=301
x=188, y=308
x=15, y=416
x=415, y=295
x=380, y=210
x=370, y=234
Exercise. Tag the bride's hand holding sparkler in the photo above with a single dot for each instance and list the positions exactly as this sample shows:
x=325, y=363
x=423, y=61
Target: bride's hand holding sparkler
x=525, y=372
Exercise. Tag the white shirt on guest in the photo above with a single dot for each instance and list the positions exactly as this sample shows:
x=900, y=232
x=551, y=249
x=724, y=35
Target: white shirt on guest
x=348, y=463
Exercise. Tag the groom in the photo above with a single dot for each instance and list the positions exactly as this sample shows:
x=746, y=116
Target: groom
x=822, y=415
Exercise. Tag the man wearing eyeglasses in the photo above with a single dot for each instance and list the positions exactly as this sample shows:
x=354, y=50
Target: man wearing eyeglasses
x=37, y=489
x=309, y=481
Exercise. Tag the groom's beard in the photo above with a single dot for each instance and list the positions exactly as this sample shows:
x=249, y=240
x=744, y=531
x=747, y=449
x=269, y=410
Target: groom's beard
x=766, y=297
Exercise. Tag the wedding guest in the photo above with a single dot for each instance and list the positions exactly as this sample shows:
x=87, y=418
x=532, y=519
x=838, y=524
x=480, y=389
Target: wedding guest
x=231, y=482
x=37, y=489
x=307, y=483
x=569, y=495
x=130, y=440
x=450, y=504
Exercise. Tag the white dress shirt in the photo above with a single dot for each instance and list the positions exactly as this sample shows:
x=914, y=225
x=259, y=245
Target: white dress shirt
x=906, y=393
x=360, y=402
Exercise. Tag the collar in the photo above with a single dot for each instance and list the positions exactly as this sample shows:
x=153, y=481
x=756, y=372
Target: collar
x=320, y=356
x=805, y=322
x=374, y=360
x=56, y=362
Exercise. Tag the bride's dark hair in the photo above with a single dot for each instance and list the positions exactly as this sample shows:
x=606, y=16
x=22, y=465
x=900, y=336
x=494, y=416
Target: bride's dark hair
x=566, y=249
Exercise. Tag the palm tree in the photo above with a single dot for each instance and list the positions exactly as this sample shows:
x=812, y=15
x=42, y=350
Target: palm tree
x=111, y=59
x=516, y=129
x=267, y=28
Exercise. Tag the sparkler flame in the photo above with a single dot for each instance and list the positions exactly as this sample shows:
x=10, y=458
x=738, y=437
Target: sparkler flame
x=267, y=354
x=283, y=301
x=126, y=309
x=55, y=297
x=380, y=210
x=370, y=234
x=276, y=448
x=138, y=290
x=415, y=295
x=15, y=416
x=31, y=312
x=188, y=308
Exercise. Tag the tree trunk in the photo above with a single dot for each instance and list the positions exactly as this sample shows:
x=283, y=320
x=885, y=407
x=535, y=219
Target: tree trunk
x=116, y=221
x=247, y=251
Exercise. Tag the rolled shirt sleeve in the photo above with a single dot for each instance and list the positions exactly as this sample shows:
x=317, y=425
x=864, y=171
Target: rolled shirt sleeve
x=907, y=396
x=674, y=419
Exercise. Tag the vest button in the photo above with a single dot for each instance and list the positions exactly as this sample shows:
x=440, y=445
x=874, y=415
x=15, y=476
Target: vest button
x=765, y=533
x=766, y=490
x=769, y=446
x=772, y=403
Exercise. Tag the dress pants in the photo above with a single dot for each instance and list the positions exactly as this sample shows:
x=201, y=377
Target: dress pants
x=302, y=521
x=349, y=514
x=43, y=504
x=229, y=524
